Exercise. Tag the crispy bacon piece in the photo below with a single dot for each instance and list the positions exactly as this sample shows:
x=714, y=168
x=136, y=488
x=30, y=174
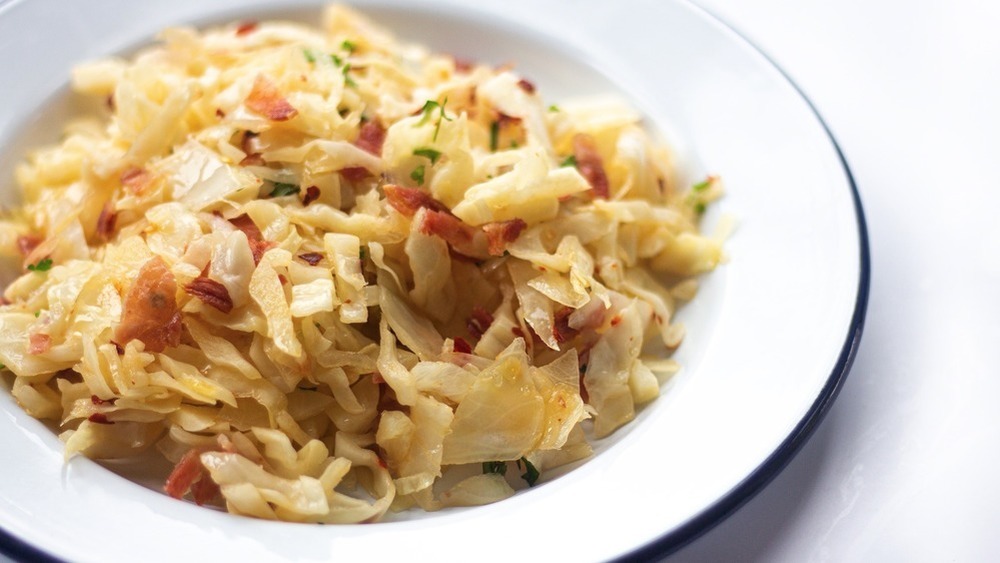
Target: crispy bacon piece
x=311, y=258
x=150, y=311
x=99, y=418
x=39, y=343
x=448, y=227
x=204, y=490
x=370, y=139
x=591, y=165
x=463, y=66
x=211, y=293
x=99, y=401
x=258, y=246
x=265, y=99
x=526, y=85
x=500, y=233
x=253, y=160
x=561, y=329
x=409, y=200
x=479, y=320
x=461, y=346
x=106, y=222
x=27, y=243
x=312, y=194
x=185, y=473
x=136, y=180
x=246, y=27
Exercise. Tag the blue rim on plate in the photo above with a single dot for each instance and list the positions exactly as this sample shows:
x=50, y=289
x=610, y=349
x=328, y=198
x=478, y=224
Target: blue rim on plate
x=673, y=540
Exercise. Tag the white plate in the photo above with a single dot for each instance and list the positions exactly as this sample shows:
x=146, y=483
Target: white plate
x=771, y=336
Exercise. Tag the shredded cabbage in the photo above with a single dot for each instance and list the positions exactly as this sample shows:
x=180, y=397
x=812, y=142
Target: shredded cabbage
x=321, y=271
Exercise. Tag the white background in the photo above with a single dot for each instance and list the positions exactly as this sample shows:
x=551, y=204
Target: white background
x=906, y=465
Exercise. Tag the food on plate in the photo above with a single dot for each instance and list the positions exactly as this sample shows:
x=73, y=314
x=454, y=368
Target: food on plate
x=328, y=275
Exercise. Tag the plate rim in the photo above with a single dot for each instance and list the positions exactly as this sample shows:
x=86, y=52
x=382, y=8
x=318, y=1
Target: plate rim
x=673, y=540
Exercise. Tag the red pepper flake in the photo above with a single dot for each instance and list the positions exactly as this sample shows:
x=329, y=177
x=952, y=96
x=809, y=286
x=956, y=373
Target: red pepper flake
x=27, y=243
x=39, y=343
x=591, y=165
x=99, y=401
x=479, y=320
x=136, y=180
x=219, y=113
x=204, y=490
x=312, y=194
x=409, y=200
x=185, y=473
x=561, y=329
x=311, y=258
x=106, y=222
x=246, y=27
x=150, y=311
x=265, y=99
x=500, y=233
x=211, y=293
x=526, y=85
x=616, y=320
x=461, y=346
x=99, y=418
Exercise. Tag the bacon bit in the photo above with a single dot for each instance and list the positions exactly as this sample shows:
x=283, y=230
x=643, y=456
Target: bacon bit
x=312, y=194
x=150, y=311
x=479, y=320
x=590, y=164
x=448, y=227
x=219, y=113
x=258, y=246
x=204, y=490
x=518, y=332
x=370, y=139
x=99, y=401
x=616, y=320
x=106, y=222
x=355, y=173
x=136, y=180
x=311, y=258
x=265, y=99
x=39, y=343
x=4, y=300
x=377, y=378
x=561, y=329
x=99, y=418
x=282, y=279
x=500, y=233
x=253, y=160
x=409, y=200
x=461, y=346
x=187, y=470
x=463, y=66
x=211, y=293
x=27, y=243
x=507, y=120
x=526, y=85
x=246, y=27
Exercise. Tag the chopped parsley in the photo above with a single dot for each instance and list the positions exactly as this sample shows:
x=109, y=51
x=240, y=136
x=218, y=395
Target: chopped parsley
x=43, y=265
x=348, y=46
x=428, y=110
x=497, y=467
x=699, y=207
x=428, y=152
x=494, y=135
x=309, y=55
x=37, y=313
x=530, y=474
x=418, y=175
x=702, y=186
x=281, y=189
x=568, y=161
x=553, y=108
x=347, y=79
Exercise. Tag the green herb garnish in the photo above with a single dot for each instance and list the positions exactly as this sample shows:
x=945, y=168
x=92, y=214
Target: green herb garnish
x=428, y=152
x=494, y=135
x=497, y=467
x=348, y=46
x=347, y=79
x=699, y=207
x=702, y=186
x=553, y=107
x=418, y=175
x=43, y=265
x=568, y=161
x=309, y=55
x=284, y=189
x=37, y=313
x=530, y=474
x=428, y=109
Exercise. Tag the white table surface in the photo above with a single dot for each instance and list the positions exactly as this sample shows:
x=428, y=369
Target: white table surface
x=906, y=465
